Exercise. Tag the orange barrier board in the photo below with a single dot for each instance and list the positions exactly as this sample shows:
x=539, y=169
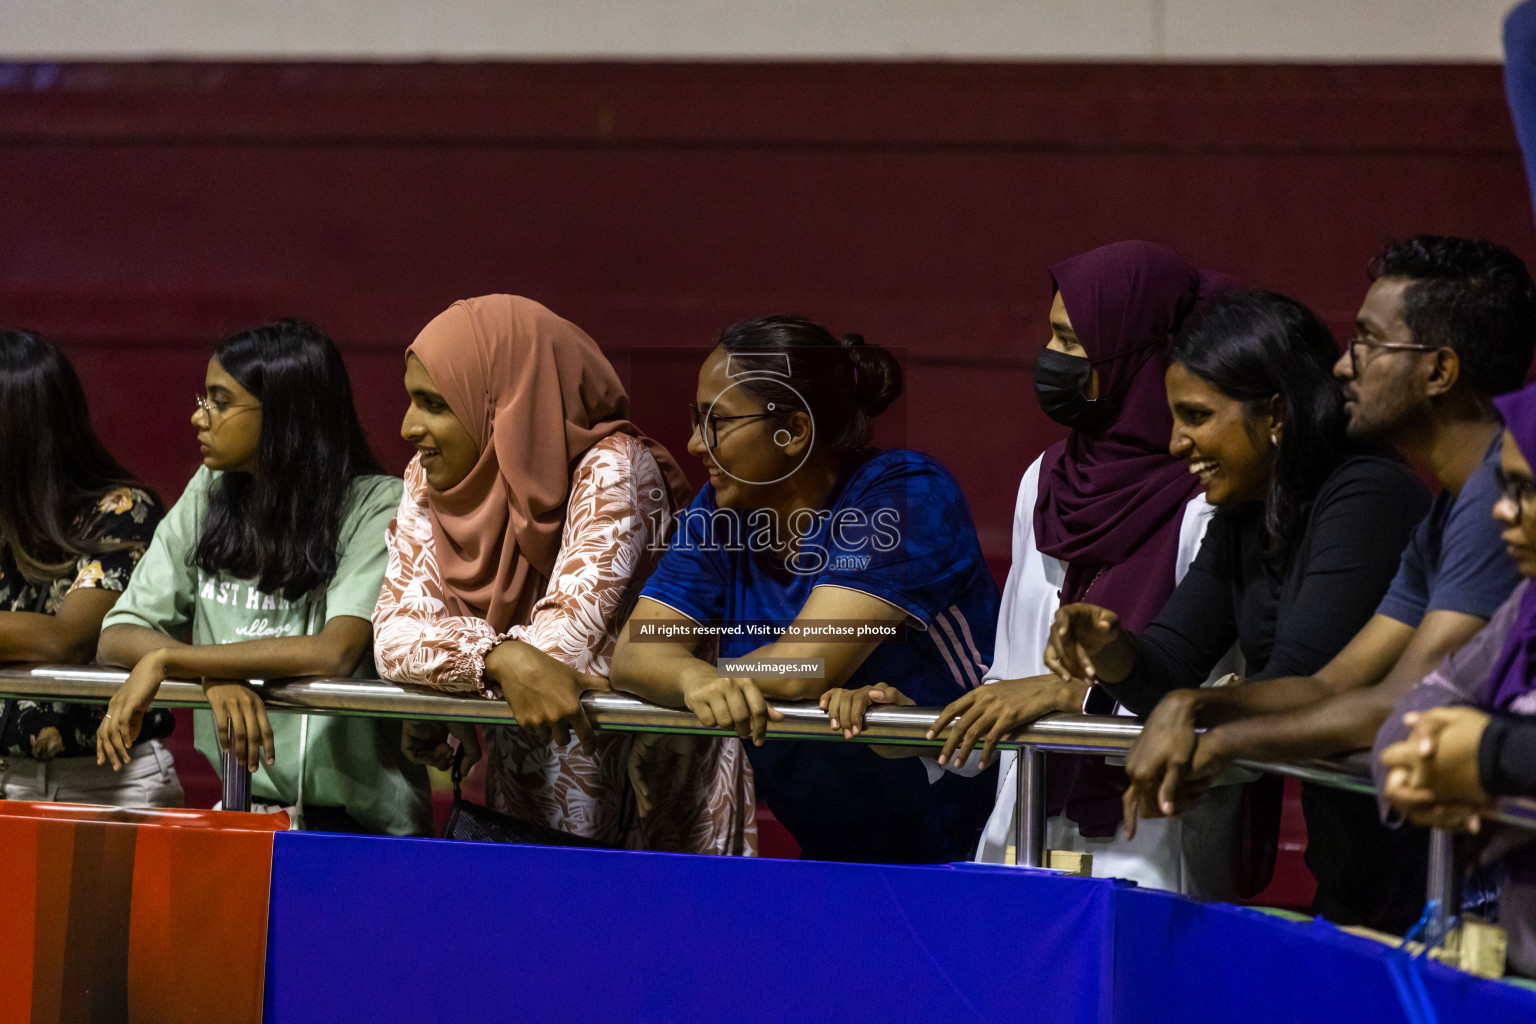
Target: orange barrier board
x=138, y=916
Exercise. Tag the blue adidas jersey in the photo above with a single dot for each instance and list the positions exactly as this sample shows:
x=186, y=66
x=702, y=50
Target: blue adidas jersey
x=895, y=526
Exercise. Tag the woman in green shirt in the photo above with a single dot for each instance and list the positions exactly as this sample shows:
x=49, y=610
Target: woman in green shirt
x=269, y=567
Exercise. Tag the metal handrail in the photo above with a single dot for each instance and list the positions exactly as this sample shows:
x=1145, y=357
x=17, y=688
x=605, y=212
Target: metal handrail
x=374, y=698
x=617, y=712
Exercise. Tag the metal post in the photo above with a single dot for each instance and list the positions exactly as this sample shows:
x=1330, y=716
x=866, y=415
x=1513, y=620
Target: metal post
x=1029, y=808
x=1444, y=887
x=237, y=781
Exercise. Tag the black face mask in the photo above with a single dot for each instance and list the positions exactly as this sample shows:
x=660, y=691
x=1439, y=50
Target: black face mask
x=1060, y=383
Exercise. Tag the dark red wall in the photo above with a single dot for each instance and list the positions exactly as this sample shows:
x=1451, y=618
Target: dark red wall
x=145, y=208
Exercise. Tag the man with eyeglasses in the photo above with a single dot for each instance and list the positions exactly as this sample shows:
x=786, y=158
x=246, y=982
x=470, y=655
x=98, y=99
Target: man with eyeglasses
x=1447, y=324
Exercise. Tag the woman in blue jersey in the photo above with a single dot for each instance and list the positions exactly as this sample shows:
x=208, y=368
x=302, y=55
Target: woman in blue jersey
x=807, y=545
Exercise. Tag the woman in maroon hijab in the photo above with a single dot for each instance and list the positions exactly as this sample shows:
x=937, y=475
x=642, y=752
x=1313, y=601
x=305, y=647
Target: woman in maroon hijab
x=1106, y=516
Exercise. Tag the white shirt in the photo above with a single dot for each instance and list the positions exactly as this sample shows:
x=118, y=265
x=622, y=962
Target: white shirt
x=1030, y=600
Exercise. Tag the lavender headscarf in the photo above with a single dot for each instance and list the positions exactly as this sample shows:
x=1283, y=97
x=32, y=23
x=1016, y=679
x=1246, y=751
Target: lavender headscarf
x=1512, y=675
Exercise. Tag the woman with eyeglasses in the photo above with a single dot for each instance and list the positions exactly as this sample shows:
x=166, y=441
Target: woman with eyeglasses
x=269, y=567
x=1309, y=526
x=1467, y=734
x=532, y=512
x=73, y=525
x=812, y=561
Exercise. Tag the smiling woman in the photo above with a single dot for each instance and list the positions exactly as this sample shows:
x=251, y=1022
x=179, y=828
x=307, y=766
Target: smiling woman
x=532, y=513
x=803, y=523
x=1261, y=421
x=1309, y=525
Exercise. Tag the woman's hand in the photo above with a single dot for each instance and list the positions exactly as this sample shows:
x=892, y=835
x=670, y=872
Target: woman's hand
x=1433, y=775
x=240, y=719
x=655, y=758
x=426, y=743
x=845, y=707
x=1078, y=633
x=125, y=711
x=47, y=744
x=989, y=713
x=729, y=702
x=1162, y=760
x=543, y=693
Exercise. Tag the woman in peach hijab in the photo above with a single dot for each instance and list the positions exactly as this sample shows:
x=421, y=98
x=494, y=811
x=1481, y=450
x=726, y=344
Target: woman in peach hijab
x=533, y=512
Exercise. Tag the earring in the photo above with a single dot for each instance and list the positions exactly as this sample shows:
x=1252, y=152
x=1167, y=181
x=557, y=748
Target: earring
x=784, y=442
x=1274, y=438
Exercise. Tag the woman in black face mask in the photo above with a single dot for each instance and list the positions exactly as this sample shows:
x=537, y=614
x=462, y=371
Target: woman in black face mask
x=1108, y=516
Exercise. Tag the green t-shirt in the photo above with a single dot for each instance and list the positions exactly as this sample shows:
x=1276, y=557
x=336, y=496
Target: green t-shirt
x=353, y=763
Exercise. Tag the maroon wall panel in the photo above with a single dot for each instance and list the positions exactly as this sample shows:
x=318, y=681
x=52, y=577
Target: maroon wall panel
x=148, y=207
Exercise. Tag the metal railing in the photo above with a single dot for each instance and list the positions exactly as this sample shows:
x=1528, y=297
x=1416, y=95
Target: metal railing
x=616, y=712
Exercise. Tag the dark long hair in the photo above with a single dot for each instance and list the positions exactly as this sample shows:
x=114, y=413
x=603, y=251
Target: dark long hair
x=279, y=525
x=1252, y=345
x=797, y=364
x=51, y=461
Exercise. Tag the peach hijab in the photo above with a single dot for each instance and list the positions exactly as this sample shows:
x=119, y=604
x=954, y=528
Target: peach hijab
x=535, y=392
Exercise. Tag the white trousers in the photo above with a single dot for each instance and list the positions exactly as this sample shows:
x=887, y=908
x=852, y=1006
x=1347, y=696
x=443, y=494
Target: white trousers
x=147, y=780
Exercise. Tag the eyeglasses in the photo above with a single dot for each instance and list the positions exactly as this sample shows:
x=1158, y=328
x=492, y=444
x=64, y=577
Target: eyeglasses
x=710, y=423
x=1356, y=343
x=1516, y=490
x=212, y=407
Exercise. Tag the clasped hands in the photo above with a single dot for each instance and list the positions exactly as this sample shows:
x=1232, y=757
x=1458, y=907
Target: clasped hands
x=1432, y=776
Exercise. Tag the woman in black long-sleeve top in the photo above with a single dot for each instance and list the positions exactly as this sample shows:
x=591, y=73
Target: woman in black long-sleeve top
x=1307, y=538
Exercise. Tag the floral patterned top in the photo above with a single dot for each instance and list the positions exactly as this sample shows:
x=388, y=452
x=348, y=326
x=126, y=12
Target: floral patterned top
x=46, y=729
x=616, y=511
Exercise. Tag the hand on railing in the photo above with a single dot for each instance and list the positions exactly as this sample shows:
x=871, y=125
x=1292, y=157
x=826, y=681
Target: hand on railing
x=1433, y=776
x=731, y=702
x=845, y=706
x=1165, y=765
x=238, y=712
x=125, y=711
x=845, y=713
x=543, y=693
x=987, y=714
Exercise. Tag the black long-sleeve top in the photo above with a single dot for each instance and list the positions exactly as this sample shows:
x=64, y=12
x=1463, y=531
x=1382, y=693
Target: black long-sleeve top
x=1289, y=611
x=1506, y=757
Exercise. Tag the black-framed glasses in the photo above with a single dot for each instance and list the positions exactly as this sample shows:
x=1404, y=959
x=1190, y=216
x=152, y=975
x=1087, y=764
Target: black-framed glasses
x=1356, y=343
x=710, y=423
x=1516, y=490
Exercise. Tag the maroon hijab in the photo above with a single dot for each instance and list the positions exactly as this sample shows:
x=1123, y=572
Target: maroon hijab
x=1111, y=504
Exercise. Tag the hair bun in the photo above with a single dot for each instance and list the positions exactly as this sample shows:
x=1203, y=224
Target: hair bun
x=877, y=376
